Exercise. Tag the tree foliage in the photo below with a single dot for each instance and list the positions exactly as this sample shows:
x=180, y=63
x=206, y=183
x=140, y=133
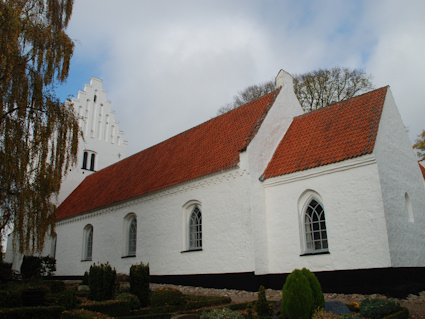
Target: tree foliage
x=314, y=89
x=420, y=146
x=323, y=87
x=38, y=135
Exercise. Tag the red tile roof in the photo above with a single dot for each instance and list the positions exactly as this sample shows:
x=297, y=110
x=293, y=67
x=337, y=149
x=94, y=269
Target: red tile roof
x=205, y=149
x=332, y=134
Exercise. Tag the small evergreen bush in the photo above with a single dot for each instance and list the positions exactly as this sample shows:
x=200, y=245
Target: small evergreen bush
x=66, y=299
x=167, y=297
x=102, y=282
x=319, y=298
x=378, y=308
x=139, y=282
x=262, y=306
x=132, y=300
x=6, y=273
x=297, y=297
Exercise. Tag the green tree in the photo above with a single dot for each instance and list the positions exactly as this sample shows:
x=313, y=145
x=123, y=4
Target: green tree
x=314, y=89
x=420, y=146
x=38, y=135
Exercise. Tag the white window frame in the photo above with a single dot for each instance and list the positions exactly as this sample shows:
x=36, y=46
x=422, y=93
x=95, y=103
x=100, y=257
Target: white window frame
x=88, y=240
x=192, y=243
x=319, y=234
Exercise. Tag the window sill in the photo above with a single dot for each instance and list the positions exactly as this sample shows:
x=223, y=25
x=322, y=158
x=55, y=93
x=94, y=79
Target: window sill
x=83, y=260
x=315, y=253
x=128, y=256
x=190, y=250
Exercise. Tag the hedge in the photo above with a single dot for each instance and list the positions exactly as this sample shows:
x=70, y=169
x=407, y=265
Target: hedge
x=53, y=312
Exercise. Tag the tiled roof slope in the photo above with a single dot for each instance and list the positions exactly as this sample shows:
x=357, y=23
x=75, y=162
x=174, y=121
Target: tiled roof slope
x=332, y=134
x=205, y=149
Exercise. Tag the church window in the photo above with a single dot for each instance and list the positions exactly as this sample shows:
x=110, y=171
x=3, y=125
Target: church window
x=92, y=162
x=88, y=243
x=195, y=229
x=53, y=246
x=316, y=240
x=408, y=204
x=132, y=237
x=85, y=156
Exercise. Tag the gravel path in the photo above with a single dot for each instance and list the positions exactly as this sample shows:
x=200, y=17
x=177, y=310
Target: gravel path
x=415, y=304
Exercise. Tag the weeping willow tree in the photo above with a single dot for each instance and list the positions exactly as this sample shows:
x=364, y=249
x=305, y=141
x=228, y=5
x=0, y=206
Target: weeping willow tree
x=38, y=135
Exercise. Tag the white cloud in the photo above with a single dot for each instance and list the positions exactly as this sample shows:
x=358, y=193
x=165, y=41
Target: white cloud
x=169, y=65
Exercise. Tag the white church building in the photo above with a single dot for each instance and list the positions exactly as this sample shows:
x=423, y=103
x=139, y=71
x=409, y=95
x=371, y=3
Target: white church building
x=246, y=197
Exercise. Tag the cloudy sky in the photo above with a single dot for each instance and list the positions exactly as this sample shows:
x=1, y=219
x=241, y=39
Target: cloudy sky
x=169, y=65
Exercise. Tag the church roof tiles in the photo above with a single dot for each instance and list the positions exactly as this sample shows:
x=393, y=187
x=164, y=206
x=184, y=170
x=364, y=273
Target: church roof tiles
x=208, y=148
x=332, y=134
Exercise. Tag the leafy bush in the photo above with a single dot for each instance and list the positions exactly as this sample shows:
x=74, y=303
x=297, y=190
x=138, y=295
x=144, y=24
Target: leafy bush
x=66, y=299
x=132, y=300
x=297, y=297
x=102, y=282
x=222, y=313
x=378, y=308
x=139, y=282
x=402, y=314
x=113, y=308
x=167, y=296
x=56, y=286
x=261, y=306
x=33, y=266
x=6, y=273
x=319, y=299
x=10, y=299
x=53, y=312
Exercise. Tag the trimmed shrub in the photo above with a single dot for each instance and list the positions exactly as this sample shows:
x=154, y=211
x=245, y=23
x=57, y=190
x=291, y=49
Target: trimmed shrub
x=132, y=300
x=319, y=299
x=82, y=314
x=113, y=308
x=6, y=272
x=139, y=282
x=378, y=308
x=53, y=312
x=33, y=266
x=297, y=297
x=167, y=297
x=262, y=306
x=10, y=299
x=85, y=279
x=66, y=299
x=102, y=282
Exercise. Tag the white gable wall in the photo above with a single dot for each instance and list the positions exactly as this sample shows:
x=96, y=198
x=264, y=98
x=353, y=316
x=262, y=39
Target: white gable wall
x=351, y=197
x=259, y=154
x=400, y=175
x=161, y=230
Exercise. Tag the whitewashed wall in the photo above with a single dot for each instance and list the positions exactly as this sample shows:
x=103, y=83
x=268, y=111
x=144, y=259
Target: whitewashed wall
x=403, y=189
x=355, y=221
x=101, y=134
x=161, y=232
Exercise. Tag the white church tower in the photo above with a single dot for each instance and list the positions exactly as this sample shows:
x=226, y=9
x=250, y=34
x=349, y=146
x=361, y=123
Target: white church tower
x=103, y=142
x=103, y=145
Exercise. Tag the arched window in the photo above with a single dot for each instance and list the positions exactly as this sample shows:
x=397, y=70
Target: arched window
x=53, y=245
x=85, y=156
x=88, y=243
x=195, y=229
x=132, y=237
x=316, y=239
x=92, y=162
